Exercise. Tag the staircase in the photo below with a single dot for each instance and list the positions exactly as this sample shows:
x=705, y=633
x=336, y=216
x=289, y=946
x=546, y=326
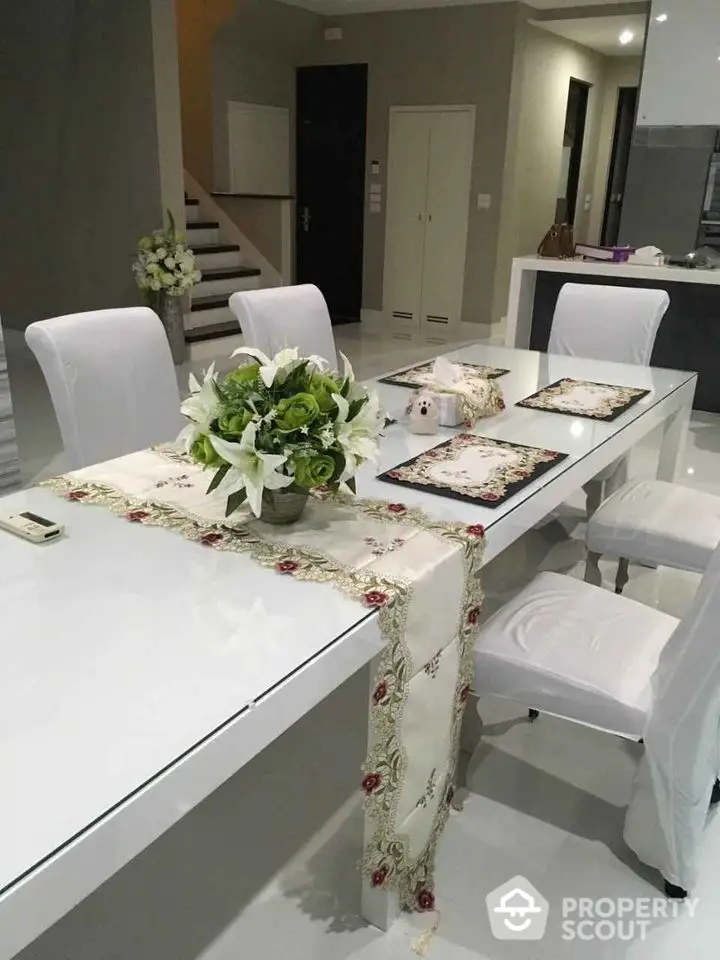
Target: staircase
x=224, y=273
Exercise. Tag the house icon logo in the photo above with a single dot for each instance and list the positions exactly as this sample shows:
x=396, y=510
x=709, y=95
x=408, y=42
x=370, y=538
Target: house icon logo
x=517, y=911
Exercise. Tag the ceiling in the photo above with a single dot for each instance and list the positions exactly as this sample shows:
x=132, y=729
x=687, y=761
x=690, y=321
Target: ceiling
x=601, y=33
x=335, y=7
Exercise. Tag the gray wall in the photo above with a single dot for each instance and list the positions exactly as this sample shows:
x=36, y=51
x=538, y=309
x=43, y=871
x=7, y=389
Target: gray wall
x=79, y=178
x=9, y=463
x=254, y=60
x=454, y=55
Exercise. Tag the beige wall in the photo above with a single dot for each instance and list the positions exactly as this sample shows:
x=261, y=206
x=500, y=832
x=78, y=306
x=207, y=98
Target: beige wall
x=455, y=55
x=619, y=72
x=544, y=66
x=262, y=223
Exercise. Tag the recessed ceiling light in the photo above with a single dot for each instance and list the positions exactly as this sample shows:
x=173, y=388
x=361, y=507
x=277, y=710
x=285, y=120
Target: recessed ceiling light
x=661, y=18
x=627, y=36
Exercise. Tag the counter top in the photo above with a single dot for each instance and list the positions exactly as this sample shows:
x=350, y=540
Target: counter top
x=629, y=271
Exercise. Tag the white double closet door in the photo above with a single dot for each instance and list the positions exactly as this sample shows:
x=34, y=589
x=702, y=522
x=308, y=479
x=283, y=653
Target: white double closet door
x=428, y=200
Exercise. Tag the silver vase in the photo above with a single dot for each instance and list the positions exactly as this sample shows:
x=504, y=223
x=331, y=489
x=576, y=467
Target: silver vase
x=283, y=506
x=170, y=311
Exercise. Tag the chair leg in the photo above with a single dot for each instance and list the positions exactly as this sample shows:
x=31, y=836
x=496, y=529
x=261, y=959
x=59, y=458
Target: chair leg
x=593, y=496
x=623, y=574
x=533, y=715
x=715, y=799
x=673, y=892
x=470, y=737
x=592, y=569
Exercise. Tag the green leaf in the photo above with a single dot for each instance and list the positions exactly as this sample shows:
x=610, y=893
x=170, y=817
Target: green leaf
x=355, y=408
x=235, y=500
x=352, y=484
x=345, y=388
x=216, y=480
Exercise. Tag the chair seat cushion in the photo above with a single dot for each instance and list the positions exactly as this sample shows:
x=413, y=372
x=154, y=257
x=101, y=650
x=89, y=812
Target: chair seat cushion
x=563, y=646
x=657, y=522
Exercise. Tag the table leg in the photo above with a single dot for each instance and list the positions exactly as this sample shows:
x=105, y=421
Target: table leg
x=379, y=907
x=673, y=443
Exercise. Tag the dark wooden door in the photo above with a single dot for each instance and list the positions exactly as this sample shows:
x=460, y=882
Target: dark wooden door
x=620, y=157
x=331, y=124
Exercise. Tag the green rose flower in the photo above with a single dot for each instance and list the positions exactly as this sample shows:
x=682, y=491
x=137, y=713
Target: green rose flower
x=322, y=387
x=314, y=471
x=245, y=374
x=202, y=451
x=296, y=412
x=234, y=423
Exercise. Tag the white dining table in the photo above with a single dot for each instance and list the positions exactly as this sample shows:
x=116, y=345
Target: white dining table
x=139, y=671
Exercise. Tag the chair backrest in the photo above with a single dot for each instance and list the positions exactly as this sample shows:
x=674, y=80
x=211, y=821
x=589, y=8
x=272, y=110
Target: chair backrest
x=111, y=379
x=682, y=741
x=280, y=317
x=607, y=323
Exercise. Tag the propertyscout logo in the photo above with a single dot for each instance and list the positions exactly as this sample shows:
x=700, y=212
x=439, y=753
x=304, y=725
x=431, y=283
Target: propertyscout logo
x=518, y=911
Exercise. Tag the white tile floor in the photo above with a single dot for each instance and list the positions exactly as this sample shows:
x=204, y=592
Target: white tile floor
x=266, y=867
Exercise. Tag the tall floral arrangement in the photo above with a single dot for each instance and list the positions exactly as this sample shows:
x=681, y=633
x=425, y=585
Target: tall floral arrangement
x=165, y=264
x=279, y=423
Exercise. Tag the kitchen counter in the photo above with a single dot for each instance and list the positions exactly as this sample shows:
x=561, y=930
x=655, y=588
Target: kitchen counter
x=689, y=335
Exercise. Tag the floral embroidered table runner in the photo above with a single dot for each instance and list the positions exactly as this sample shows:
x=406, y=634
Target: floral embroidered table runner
x=422, y=375
x=423, y=579
x=583, y=398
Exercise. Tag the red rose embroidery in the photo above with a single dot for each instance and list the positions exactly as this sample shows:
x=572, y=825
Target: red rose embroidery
x=323, y=488
x=371, y=782
x=287, y=566
x=394, y=474
x=473, y=616
x=465, y=692
x=467, y=423
x=76, y=495
x=380, y=693
x=379, y=877
x=476, y=530
x=137, y=516
x=426, y=900
x=376, y=599
x=211, y=539
x=490, y=496
x=501, y=404
x=397, y=508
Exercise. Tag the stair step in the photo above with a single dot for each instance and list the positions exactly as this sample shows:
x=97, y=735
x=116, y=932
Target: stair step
x=203, y=225
x=189, y=202
x=215, y=247
x=209, y=303
x=214, y=331
x=229, y=273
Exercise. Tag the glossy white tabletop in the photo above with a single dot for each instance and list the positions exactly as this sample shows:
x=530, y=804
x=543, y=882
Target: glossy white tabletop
x=121, y=647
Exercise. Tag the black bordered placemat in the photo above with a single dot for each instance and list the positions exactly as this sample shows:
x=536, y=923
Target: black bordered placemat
x=524, y=467
x=608, y=408
x=415, y=377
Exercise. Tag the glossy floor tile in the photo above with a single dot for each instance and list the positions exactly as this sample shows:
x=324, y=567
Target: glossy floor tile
x=267, y=866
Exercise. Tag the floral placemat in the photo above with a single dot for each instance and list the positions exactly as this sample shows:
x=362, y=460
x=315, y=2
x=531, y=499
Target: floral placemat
x=583, y=398
x=422, y=374
x=476, y=469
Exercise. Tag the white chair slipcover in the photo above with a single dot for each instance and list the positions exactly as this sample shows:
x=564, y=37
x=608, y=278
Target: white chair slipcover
x=567, y=648
x=280, y=317
x=654, y=522
x=111, y=379
x=618, y=324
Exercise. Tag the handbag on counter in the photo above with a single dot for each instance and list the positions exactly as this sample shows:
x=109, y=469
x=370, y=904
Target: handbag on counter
x=558, y=242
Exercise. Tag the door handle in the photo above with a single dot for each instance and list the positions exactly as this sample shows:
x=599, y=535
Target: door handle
x=305, y=219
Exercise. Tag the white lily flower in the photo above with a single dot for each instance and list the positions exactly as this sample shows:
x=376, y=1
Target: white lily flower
x=201, y=408
x=250, y=469
x=358, y=437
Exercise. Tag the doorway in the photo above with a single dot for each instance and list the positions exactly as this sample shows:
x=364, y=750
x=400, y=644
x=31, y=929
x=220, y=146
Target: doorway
x=573, y=141
x=331, y=131
x=622, y=142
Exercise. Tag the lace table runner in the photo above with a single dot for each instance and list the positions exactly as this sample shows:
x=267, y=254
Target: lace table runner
x=583, y=398
x=422, y=375
x=422, y=577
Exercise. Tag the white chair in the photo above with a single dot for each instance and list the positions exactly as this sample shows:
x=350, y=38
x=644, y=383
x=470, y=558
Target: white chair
x=111, y=379
x=618, y=324
x=280, y=317
x=566, y=648
x=655, y=523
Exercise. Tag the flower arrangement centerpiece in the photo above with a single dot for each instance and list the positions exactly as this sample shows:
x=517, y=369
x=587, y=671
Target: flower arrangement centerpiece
x=165, y=270
x=276, y=428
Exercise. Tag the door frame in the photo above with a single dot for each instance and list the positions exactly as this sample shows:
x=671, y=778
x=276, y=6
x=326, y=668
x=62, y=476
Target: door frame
x=622, y=92
x=395, y=109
